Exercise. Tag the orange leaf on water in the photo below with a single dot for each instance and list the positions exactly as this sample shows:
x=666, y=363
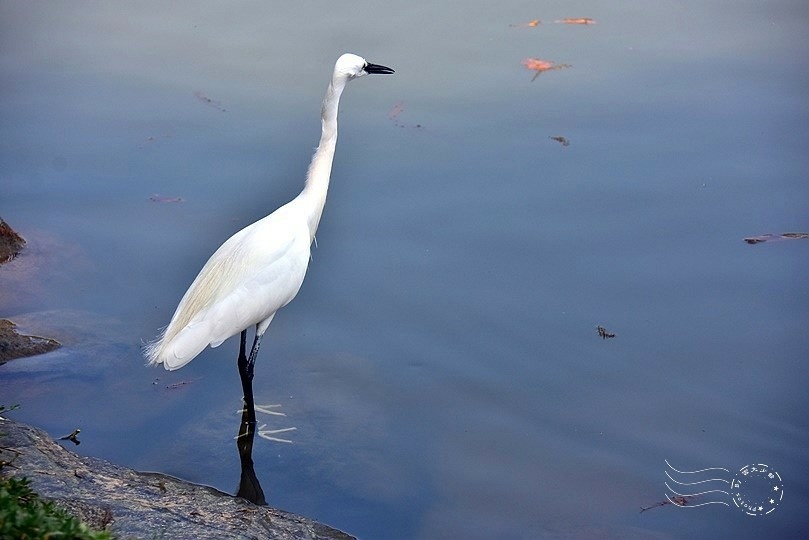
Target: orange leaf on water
x=535, y=22
x=541, y=66
x=579, y=20
x=536, y=64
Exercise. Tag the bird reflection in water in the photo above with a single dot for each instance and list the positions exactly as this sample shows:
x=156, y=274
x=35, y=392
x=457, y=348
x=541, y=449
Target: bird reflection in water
x=249, y=486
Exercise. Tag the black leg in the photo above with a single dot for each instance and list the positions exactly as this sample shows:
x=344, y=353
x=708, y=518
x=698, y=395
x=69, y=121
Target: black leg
x=251, y=363
x=242, y=361
x=246, y=376
x=249, y=487
x=246, y=368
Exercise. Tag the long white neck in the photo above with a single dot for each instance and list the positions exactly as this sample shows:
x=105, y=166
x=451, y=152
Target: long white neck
x=313, y=196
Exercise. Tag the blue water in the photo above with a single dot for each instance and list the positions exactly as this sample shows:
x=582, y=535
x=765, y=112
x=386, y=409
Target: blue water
x=441, y=364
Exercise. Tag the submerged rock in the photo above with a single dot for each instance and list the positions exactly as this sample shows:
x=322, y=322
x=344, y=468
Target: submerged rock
x=141, y=505
x=14, y=345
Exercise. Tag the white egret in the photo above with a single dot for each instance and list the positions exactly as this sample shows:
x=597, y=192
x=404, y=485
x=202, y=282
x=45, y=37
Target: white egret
x=260, y=269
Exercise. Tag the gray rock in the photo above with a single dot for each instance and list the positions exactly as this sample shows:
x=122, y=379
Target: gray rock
x=141, y=505
x=11, y=243
x=15, y=345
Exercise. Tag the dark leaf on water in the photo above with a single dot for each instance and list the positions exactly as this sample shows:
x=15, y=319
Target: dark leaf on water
x=208, y=101
x=178, y=385
x=603, y=334
x=159, y=199
x=561, y=140
x=396, y=112
x=775, y=237
x=679, y=500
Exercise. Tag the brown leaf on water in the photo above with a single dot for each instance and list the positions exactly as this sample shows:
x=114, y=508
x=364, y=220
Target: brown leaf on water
x=576, y=20
x=541, y=66
x=776, y=237
x=679, y=500
x=208, y=101
x=179, y=384
x=159, y=199
x=603, y=334
x=560, y=139
x=529, y=24
x=175, y=386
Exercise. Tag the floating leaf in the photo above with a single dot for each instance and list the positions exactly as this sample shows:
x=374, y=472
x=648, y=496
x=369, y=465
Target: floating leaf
x=529, y=24
x=603, y=334
x=679, y=500
x=776, y=237
x=158, y=199
x=396, y=110
x=151, y=139
x=208, y=101
x=541, y=66
x=560, y=139
x=178, y=385
x=394, y=113
x=579, y=20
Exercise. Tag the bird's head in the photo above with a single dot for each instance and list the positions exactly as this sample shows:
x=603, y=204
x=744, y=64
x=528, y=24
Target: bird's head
x=352, y=66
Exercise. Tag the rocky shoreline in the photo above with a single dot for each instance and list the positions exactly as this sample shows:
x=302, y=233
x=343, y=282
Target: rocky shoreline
x=129, y=503
x=134, y=504
x=12, y=343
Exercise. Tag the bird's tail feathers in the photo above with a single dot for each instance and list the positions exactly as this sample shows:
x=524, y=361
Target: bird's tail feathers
x=152, y=349
x=183, y=347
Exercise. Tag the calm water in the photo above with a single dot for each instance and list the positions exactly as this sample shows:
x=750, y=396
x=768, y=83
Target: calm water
x=441, y=363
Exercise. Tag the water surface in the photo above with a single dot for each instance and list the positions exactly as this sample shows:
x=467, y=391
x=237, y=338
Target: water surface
x=441, y=363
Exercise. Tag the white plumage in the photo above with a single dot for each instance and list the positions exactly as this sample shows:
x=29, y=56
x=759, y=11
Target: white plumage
x=260, y=269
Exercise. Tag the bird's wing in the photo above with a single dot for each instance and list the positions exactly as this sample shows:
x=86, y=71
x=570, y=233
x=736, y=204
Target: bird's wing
x=253, y=274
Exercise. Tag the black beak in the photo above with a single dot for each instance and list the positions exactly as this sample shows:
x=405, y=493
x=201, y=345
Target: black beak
x=376, y=68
